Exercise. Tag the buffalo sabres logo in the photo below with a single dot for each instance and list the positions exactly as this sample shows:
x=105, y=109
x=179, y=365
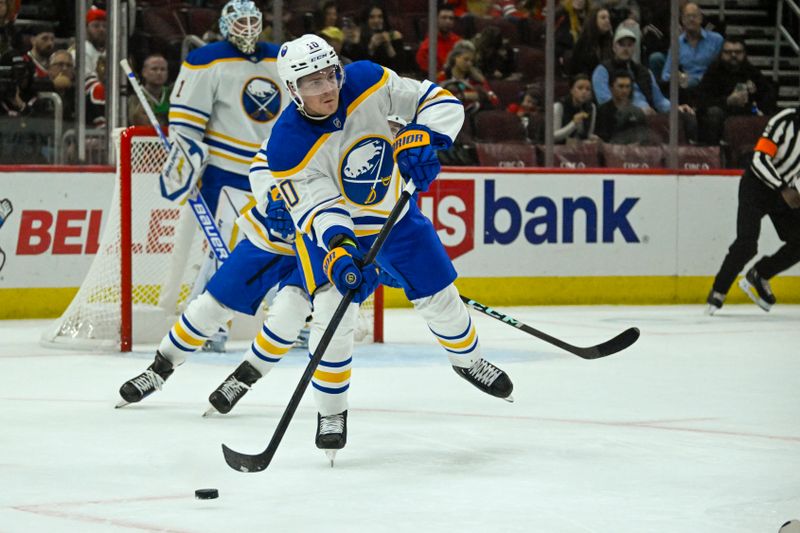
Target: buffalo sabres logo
x=366, y=170
x=261, y=99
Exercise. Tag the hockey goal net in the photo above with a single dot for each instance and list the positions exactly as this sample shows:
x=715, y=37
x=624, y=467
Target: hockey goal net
x=150, y=254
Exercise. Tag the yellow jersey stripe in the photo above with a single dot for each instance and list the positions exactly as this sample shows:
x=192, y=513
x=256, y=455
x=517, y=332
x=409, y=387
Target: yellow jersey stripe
x=186, y=116
x=310, y=221
x=186, y=337
x=229, y=157
x=186, y=64
x=355, y=103
x=305, y=263
x=331, y=377
x=366, y=232
x=304, y=162
x=234, y=140
x=461, y=344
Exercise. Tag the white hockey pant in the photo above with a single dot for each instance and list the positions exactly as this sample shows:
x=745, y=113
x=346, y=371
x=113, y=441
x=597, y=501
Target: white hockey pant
x=286, y=316
x=332, y=377
x=203, y=317
x=449, y=320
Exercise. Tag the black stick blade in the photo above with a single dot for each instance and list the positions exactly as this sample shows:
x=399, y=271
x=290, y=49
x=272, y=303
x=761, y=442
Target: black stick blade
x=611, y=346
x=247, y=463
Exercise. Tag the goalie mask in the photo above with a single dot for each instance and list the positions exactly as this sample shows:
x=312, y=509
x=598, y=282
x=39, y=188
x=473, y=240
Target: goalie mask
x=240, y=24
x=304, y=56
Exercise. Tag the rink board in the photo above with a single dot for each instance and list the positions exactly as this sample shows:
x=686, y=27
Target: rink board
x=517, y=236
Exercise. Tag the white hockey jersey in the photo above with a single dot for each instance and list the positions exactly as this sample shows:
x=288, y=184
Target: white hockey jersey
x=228, y=100
x=339, y=173
x=253, y=221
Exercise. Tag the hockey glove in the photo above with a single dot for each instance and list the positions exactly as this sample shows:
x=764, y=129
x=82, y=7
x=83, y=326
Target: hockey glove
x=344, y=268
x=415, y=155
x=278, y=220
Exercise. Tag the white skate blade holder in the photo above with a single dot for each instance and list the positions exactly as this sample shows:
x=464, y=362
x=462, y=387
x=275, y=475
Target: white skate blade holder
x=331, y=455
x=751, y=293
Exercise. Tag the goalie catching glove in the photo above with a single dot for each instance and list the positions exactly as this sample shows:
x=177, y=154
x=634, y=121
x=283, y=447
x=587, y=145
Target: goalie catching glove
x=183, y=168
x=345, y=269
x=415, y=153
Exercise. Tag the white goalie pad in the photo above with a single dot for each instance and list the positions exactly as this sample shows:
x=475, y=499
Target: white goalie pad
x=183, y=168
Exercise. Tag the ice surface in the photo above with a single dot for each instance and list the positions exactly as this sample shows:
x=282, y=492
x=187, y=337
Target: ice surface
x=696, y=428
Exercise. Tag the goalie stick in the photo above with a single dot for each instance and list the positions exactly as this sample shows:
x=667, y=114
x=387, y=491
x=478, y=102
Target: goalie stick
x=258, y=462
x=611, y=346
x=198, y=205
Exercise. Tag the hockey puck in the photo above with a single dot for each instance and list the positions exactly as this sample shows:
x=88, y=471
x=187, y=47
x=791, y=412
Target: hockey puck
x=206, y=494
x=792, y=526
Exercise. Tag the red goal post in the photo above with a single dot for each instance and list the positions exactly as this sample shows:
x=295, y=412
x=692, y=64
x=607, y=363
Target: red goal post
x=149, y=256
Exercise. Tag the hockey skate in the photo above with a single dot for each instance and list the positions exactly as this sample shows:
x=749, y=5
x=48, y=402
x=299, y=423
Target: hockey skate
x=488, y=378
x=715, y=300
x=230, y=391
x=146, y=383
x=757, y=289
x=331, y=433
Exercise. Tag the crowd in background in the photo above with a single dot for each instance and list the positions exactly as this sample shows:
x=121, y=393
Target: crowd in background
x=612, y=66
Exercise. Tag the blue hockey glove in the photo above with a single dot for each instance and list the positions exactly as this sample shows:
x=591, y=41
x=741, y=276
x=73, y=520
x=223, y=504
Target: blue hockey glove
x=415, y=154
x=344, y=268
x=278, y=219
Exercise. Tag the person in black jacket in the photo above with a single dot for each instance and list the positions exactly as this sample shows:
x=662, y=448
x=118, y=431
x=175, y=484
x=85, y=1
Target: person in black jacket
x=769, y=187
x=732, y=86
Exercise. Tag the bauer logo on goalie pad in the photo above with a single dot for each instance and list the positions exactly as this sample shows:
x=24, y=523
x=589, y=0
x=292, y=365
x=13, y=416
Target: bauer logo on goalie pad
x=183, y=168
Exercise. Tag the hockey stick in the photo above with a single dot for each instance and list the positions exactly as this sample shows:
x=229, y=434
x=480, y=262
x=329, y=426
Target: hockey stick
x=196, y=201
x=256, y=463
x=611, y=346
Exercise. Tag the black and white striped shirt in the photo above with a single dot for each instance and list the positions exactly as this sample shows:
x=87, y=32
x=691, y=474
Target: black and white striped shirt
x=776, y=160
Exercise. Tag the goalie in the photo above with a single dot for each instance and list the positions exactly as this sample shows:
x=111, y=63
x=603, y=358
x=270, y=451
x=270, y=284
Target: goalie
x=223, y=105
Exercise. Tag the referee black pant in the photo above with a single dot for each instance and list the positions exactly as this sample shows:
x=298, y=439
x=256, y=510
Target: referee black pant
x=755, y=201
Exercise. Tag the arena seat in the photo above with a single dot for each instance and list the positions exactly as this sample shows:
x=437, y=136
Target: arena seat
x=632, y=156
x=698, y=157
x=509, y=91
x=498, y=126
x=740, y=134
x=506, y=154
x=529, y=61
x=576, y=155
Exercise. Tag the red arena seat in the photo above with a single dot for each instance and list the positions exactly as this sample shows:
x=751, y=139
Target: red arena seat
x=633, y=156
x=506, y=154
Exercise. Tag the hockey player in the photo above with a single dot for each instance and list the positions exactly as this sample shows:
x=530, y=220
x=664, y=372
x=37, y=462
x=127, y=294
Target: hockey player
x=227, y=95
x=263, y=259
x=335, y=168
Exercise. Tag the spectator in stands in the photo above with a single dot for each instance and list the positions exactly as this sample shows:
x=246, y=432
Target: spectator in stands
x=646, y=93
x=335, y=37
x=570, y=18
x=732, y=86
x=698, y=49
x=594, y=44
x=20, y=140
x=461, y=77
x=95, y=88
x=16, y=85
x=6, y=26
x=154, y=75
x=446, y=39
x=529, y=112
x=618, y=120
x=328, y=14
x=42, y=44
x=377, y=41
x=61, y=75
x=96, y=29
x=574, y=116
x=493, y=54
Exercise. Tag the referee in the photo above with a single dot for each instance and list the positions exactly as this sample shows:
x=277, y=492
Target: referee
x=771, y=186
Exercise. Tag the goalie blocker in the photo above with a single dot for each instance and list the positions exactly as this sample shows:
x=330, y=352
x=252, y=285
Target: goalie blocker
x=186, y=160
